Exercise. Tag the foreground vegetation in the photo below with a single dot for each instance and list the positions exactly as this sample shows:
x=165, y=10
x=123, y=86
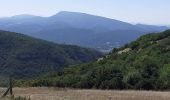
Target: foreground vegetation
x=142, y=64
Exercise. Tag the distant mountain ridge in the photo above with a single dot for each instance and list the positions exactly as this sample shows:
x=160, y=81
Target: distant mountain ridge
x=76, y=28
x=82, y=20
x=152, y=27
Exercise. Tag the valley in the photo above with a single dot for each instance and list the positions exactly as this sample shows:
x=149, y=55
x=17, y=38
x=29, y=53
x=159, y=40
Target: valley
x=143, y=64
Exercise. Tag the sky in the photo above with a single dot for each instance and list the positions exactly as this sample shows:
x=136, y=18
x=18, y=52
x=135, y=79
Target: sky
x=155, y=12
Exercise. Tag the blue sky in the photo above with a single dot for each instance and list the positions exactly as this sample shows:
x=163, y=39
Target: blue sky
x=134, y=11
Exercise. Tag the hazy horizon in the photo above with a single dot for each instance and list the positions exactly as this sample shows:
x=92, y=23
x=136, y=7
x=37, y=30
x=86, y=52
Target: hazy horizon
x=153, y=12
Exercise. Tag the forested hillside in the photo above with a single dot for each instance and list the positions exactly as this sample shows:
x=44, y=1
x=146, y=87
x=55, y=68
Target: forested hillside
x=25, y=57
x=142, y=64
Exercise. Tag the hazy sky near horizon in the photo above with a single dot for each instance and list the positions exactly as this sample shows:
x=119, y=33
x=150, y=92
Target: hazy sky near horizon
x=133, y=11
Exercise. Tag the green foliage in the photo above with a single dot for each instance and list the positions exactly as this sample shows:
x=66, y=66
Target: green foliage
x=145, y=66
x=164, y=77
x=27, y=57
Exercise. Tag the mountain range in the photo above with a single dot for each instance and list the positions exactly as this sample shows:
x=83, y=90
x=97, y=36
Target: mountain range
x=78, y=29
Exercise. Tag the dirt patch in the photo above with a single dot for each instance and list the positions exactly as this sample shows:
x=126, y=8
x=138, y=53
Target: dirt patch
x=71, y=94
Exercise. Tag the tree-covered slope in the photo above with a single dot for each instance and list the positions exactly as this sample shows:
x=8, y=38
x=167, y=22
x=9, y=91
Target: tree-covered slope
x=22, y=56
x=142, y=64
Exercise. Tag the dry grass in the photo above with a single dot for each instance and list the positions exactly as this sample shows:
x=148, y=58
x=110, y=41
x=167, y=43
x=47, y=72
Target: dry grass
x=70, y=94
